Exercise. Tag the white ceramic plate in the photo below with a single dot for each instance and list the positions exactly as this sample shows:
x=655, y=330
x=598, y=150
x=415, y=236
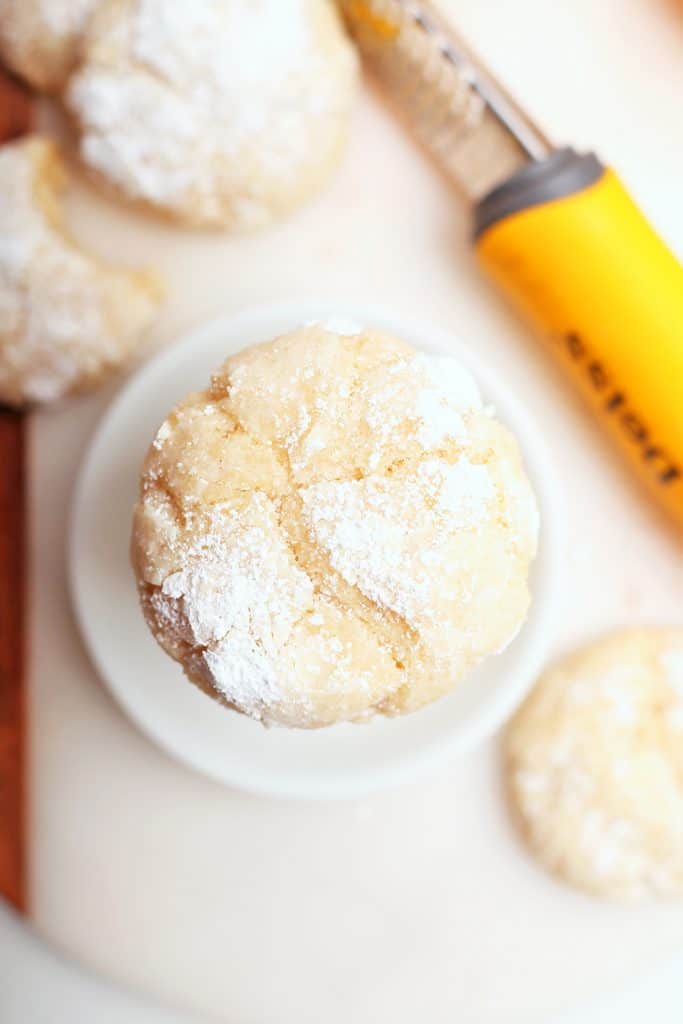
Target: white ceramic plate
x=343, y=760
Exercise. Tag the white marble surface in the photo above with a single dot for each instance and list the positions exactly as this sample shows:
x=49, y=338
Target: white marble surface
x=417, y=902
x=40, y=986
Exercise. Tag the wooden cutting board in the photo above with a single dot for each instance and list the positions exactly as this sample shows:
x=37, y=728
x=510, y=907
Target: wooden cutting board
x=15, y=119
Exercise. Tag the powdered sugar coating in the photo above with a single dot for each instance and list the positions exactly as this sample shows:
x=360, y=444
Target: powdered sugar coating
x=305, y=553
x=595, y=763
x=235, y=600
x=65, y=320
x=368, y=529
x=39, y=39
x=217, y=111
x=344, y=326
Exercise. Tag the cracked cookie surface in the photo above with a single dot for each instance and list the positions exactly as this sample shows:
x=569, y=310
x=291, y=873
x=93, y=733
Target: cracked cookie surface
x=214, y=112
x=595, y=766
x=335, y=528
x=67, y=319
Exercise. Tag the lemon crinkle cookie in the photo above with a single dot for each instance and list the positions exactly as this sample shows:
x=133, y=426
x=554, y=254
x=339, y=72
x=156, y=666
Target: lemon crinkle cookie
x=214, y=112
x=39, y=39
x=595, y=766
x=335, y=528
x=66, y=319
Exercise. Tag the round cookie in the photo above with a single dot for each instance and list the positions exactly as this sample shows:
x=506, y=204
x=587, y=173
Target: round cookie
x=595, y=766
x=39, y=39
x=335, y=528
x=214, y=112
x=66, y=320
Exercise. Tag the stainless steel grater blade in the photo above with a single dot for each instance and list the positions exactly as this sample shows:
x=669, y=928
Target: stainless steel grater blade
x=475, y=130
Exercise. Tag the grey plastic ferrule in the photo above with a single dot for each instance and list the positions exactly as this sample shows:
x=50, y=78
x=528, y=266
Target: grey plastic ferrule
x=562, y=173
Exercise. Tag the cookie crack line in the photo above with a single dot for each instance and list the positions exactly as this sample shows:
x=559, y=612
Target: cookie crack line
x=333, y=599
x=295, y=492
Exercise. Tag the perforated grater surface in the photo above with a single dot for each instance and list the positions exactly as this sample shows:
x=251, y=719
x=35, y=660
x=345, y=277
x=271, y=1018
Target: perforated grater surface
x=476, y=131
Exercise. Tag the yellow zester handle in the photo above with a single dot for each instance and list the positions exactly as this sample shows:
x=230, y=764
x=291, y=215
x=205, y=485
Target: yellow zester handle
x=608, y=294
